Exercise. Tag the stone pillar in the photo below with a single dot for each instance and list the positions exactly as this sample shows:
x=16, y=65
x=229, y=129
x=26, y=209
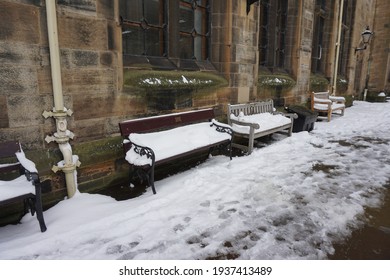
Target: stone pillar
x=235, y=46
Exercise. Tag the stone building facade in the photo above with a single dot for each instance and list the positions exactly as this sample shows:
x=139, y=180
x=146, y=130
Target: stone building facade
x=113, y=52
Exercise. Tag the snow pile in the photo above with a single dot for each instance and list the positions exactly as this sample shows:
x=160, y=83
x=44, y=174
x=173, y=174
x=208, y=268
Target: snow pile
x=289, y=200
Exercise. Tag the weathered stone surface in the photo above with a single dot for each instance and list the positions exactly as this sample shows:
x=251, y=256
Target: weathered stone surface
x=88, y=130
x=88, y=81
x=17, y=53
x=30, y=136
x=25, y=110
x=82, y=33
x=38, y=3
x=108, y=59
x=78, y=58
x=18, y=80
x=44, y=80
x=105, y=8
x=19, y=23
x=79, y=5
x=3, y=112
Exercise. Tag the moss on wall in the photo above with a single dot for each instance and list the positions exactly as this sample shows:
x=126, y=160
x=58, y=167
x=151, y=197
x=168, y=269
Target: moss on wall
x=273, y=81
x=275, y=86
x=342, y=85
x=318, y=83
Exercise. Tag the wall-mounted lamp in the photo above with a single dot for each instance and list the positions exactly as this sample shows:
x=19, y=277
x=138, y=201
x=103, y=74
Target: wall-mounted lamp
x=366, y=36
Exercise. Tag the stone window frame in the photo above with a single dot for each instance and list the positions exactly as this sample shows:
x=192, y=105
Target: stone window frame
x=321, y=16
x=346, y=35
x=169, y=57
x=273, y=42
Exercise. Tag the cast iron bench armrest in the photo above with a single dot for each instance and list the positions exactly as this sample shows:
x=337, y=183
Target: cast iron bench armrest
x=222, y=127
x=32, y=200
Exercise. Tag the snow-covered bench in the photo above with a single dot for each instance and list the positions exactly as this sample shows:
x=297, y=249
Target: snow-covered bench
x=322, y=102
x=26, y=188
x=257, y=119
x=152, y=141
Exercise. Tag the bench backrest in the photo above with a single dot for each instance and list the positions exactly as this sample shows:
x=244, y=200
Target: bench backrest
x=163, y=122
x=260, y=107
x=7, y=156
x=319, y=95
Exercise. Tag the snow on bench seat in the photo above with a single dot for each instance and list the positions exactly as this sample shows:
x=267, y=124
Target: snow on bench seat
x=168, y=143
x=323, y=102
x=257, y=119
x=266, y=121
x=325, y=107
x=15, y=188
x=154, y=140
x=26, y=187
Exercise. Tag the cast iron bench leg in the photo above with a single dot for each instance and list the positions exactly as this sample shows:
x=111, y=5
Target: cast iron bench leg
x=150, y=178
x=39, y=211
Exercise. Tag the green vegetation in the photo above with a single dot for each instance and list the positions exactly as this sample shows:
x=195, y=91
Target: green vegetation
x=172, y=80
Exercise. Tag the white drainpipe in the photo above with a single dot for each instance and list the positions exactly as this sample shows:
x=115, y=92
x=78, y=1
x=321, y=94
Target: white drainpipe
x=60, y=113
x=336, y=66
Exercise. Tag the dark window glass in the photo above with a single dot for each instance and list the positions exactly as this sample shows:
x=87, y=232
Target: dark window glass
x=194, y=29
x=280, y=36
x=321, y=4
x=145, y=25
x=272, y=39
x=317, y=61
x=264, y=21
x=143, y=31
x=346, y=35
x=318, y=44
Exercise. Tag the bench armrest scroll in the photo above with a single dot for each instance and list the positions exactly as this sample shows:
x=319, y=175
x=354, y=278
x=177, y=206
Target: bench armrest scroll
x=221, y=127
x=144, y=151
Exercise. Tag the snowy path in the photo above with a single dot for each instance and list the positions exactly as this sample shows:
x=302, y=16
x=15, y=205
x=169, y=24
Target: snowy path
x=289, y=200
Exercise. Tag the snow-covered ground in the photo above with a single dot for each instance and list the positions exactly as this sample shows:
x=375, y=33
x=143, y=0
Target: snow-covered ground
x=289, y=200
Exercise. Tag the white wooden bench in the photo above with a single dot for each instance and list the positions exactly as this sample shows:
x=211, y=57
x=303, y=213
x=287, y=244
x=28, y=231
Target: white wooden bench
x=257, y=119
x=326, y=104
x=27, y=187
x=152, y=141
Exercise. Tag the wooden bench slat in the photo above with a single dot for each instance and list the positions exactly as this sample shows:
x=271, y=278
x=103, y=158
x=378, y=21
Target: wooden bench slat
x=164, y=121
x=252, y=129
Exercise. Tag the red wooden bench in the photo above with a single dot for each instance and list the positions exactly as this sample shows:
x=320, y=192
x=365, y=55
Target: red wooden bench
x=152, y=141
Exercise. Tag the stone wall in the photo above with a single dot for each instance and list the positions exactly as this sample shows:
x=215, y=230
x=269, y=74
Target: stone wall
x=234, y=47
x=89, y=66
x=380, y=48
x=94, y=86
